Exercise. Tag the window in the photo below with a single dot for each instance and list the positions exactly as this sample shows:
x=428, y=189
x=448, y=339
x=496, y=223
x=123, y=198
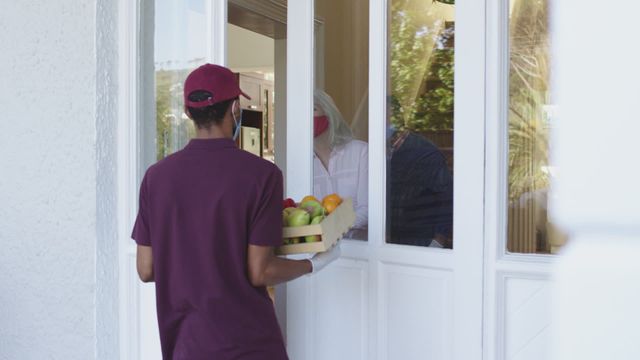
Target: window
x=180, y=45
x=420, y=123
x=341, y=95
x=530, y=119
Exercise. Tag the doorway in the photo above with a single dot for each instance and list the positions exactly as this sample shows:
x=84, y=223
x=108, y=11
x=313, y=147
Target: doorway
x=384, y=300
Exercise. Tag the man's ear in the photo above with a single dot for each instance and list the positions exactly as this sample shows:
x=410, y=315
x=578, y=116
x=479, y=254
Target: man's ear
x=229, y=112
x=231, y=109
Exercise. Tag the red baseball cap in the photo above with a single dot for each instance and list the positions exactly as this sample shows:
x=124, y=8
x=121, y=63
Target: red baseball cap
x=221, y=82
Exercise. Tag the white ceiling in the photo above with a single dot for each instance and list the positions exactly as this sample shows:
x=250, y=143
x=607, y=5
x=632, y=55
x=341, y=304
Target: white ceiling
x=248, y=51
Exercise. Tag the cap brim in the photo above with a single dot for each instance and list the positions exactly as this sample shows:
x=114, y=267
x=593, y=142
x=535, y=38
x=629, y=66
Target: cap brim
x=245, y=95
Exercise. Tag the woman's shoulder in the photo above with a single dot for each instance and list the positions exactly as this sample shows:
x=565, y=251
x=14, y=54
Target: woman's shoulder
x=353, y=153
x=356, y=146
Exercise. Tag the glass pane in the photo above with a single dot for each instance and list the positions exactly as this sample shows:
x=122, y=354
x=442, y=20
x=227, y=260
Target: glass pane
x=256, y=46
x=420, y=123
x=180, y=46
x=530, y=123
x=341, y=118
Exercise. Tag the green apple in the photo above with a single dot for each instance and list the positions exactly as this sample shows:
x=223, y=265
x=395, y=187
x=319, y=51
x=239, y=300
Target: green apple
x=314, y=221
x=295, y=240
x=313, y=207
x=298, y=217
x=285, y=215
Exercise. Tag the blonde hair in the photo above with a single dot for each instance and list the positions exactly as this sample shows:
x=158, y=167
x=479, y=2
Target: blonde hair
x=339, y=131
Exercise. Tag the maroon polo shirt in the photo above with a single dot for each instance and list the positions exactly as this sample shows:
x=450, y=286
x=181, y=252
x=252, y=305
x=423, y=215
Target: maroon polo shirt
x=200, y=208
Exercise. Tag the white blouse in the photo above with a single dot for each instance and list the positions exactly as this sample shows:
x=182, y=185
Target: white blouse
x=347, y=175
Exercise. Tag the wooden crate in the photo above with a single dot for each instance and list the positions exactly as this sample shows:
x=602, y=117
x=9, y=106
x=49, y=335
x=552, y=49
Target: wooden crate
x=331, y=229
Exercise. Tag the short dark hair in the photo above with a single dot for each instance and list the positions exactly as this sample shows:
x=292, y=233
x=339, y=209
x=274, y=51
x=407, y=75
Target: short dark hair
x=206, y=116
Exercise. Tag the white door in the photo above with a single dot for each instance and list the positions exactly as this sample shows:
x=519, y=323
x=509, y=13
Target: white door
x=382, y=300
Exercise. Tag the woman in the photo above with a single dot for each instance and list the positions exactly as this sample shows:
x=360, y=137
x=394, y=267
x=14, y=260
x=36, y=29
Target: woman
x=340, y=162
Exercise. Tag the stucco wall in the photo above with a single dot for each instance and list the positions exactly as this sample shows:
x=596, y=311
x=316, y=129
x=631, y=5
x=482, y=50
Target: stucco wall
x=106, y=119
x=48, y=166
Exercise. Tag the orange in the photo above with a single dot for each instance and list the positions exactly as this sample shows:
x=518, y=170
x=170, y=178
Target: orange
x=329, y=206
x=333, y=198
x=309, y=197
x=330, y=201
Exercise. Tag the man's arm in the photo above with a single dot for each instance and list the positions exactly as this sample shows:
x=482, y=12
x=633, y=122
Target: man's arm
x=266, y=269
x=144, y=263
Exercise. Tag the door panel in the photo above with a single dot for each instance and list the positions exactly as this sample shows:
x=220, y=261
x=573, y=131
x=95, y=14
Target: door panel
x=341, y=312
x=416, y=308
x=527, y=318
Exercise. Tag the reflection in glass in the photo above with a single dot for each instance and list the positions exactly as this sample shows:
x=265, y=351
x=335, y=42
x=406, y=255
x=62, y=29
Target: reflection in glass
x=256, y=51
x=530, y=122
x=340, y=105
x=420, y=123
x=179, y=47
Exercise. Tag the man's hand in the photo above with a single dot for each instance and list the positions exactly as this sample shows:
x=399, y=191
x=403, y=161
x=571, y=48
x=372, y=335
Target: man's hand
x=320, y=260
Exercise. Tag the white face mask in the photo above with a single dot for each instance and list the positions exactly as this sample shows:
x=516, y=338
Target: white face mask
x=237, y=121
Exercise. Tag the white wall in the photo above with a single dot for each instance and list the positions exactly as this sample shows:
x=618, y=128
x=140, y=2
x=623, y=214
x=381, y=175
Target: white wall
x=50, y=100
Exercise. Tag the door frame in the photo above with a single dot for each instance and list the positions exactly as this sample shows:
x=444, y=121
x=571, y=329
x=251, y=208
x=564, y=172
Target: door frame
x=468, y=203
x=128, y=168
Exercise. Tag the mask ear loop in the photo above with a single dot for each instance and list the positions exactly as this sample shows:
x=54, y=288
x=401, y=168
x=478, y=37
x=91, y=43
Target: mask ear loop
x=237, y=123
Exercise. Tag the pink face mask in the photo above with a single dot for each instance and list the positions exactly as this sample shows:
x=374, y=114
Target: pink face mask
x=320, y=125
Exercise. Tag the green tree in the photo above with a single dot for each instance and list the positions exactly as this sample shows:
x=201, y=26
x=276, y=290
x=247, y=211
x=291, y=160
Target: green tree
x=529, y=75
x=421, y=68
x=172, y=129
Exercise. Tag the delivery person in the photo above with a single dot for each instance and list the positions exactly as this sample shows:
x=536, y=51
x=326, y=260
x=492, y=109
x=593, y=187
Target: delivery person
x=209, y=218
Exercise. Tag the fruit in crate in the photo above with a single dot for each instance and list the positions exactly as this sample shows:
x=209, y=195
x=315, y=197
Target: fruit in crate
x=332, y=198
x=331, y=202
x=321, y=233
x=313, y=207
x=309, y=197
x=288, y=210
x=330, y=207
x=314, y=221
x=288, y=203
x=298, y=217
x=285, y=215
